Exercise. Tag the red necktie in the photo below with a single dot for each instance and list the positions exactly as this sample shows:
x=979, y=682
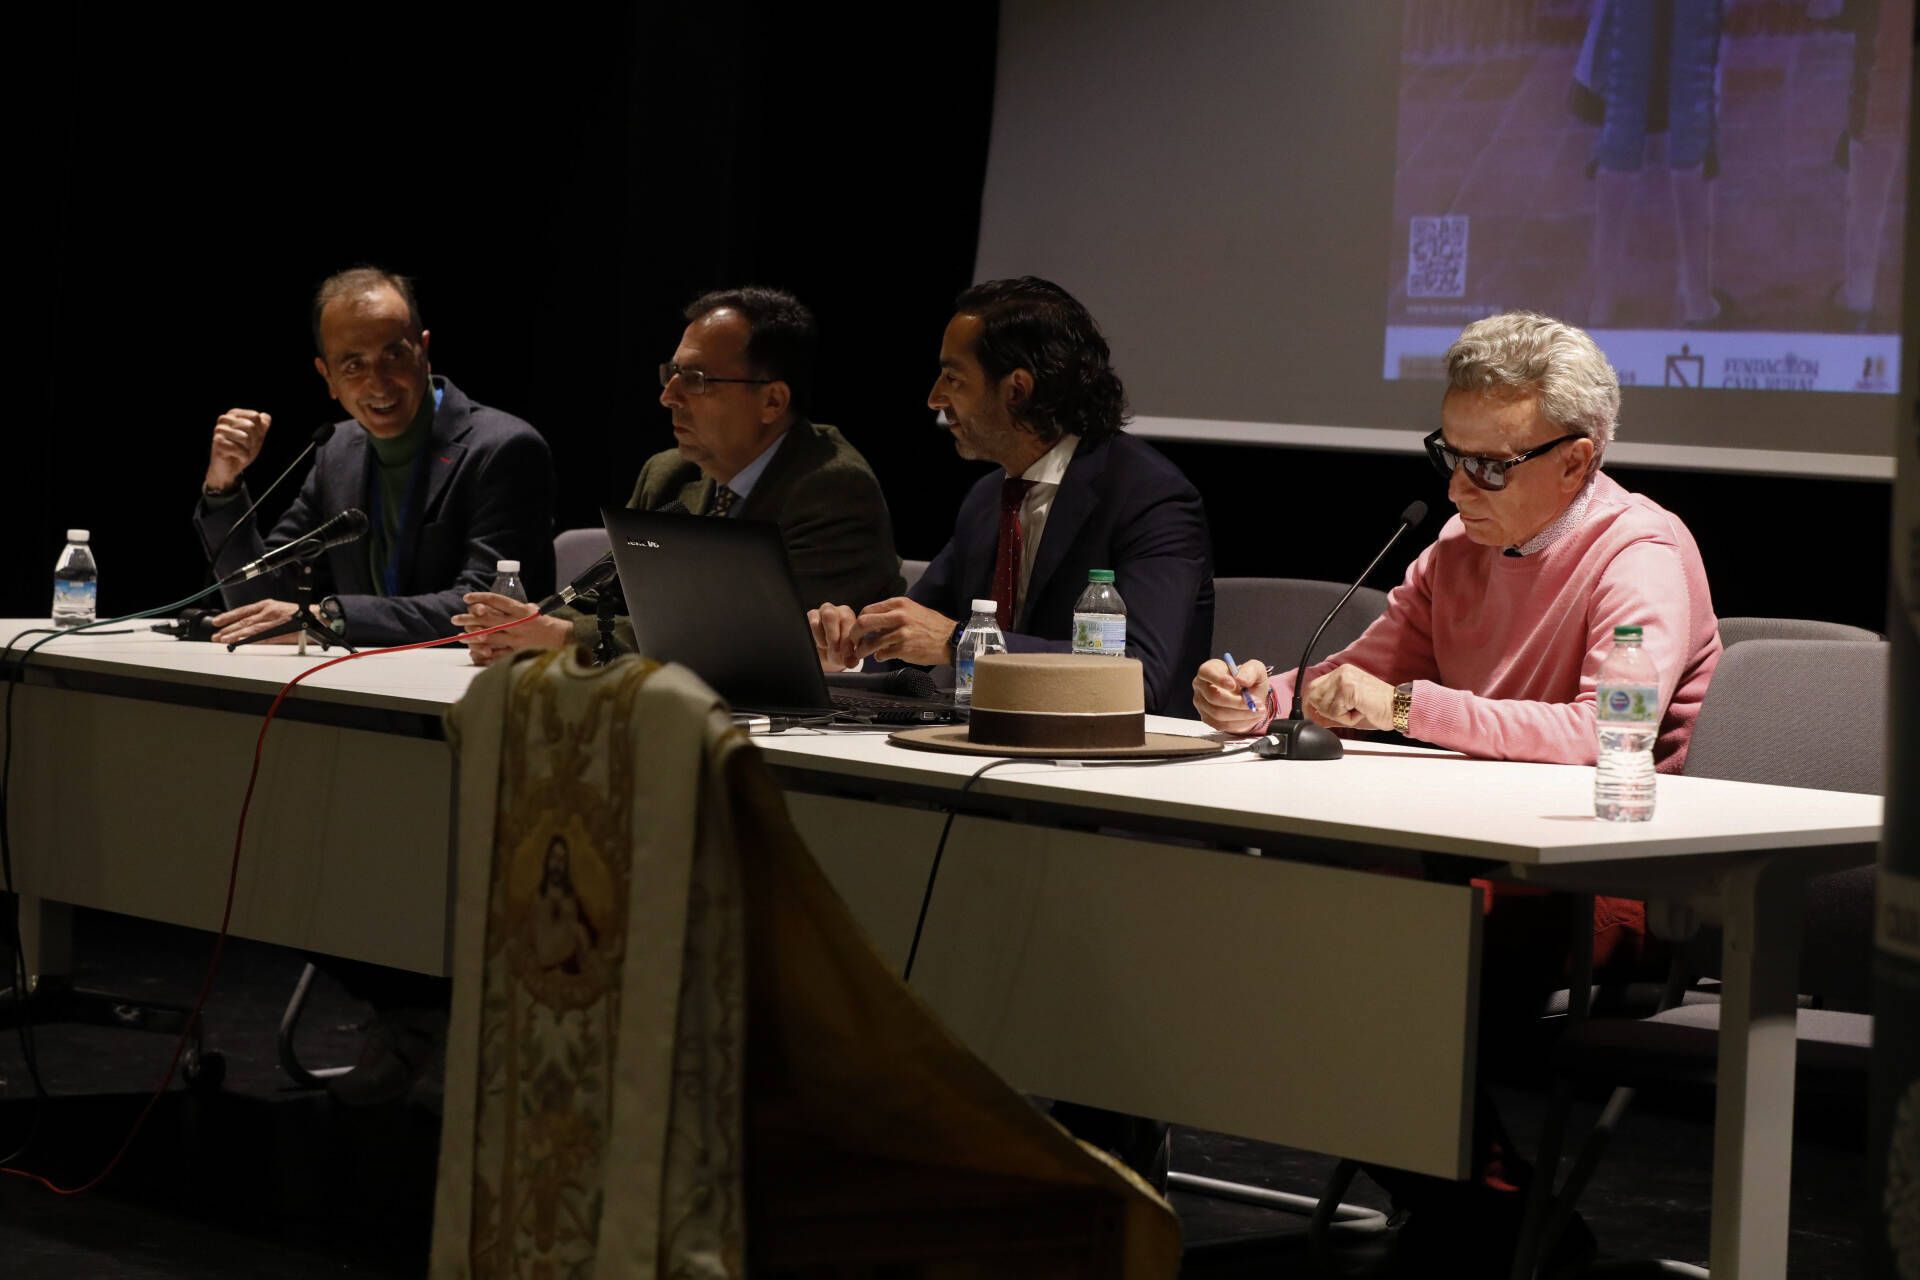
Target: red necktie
x=1006, y=559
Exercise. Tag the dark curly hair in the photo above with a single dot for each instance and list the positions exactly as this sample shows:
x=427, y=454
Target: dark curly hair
x=781, y=335
x=1033, y=324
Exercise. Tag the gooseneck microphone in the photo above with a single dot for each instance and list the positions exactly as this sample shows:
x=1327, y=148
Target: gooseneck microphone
x=349, y=525
x=597, y=575
x=600, y=573
x=1296, y=737
x=321, y=435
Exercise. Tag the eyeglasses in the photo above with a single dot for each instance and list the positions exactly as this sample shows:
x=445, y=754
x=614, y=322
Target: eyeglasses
x=695, y=381
x=1486, y=473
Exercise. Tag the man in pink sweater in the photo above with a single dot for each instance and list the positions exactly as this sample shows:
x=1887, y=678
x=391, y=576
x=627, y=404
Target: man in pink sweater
x=1492, y=644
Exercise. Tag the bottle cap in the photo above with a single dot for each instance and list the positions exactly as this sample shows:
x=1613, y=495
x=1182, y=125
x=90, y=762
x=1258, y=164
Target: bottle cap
x=986, y=606
x=1099, y=575
x=1627, y=633
x=77, y=535
x=506, y=566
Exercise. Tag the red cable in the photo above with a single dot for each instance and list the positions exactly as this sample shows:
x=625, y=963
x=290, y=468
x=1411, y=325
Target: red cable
x=226, y=914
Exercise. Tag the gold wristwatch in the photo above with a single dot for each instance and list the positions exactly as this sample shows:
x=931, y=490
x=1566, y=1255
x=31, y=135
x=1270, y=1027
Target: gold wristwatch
x=1402, y=706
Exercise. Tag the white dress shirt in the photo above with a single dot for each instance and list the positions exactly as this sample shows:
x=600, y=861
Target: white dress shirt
x=1046, y=475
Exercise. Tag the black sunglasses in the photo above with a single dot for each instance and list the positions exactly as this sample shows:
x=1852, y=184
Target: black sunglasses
x=1486, y=473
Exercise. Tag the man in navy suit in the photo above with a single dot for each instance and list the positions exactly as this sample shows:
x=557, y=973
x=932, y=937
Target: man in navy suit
x=1026, y=383
x=451, y=487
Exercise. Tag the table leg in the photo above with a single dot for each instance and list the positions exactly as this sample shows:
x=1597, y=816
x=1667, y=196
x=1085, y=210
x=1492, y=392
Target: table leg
x=46, y=937
x=1753, y=1118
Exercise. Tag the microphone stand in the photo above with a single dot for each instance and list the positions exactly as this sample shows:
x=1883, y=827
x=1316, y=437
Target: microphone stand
x=605, y=610
x=302, y=623
x=1297, y=737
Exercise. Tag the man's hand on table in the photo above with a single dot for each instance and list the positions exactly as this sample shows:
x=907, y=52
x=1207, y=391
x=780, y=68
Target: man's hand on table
x=1220, y=695
x=896, y=628
x=490, y=609
x=251, y=619
x=1349, y=698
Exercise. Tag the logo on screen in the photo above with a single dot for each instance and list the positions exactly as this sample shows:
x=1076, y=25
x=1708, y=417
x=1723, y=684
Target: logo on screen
x=1686, y=369
x=1788, y=372
x=1873, y=375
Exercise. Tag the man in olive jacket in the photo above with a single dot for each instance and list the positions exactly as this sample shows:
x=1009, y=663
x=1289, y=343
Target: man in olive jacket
x=737, y=390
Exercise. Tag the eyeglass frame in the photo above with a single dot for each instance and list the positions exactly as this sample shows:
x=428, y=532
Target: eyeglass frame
x=1439, y=451
x=696, y=380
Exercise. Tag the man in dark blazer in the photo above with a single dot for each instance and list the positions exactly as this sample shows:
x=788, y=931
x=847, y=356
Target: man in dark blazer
x=1025, y=382
x=451, y=487
x=737, y=389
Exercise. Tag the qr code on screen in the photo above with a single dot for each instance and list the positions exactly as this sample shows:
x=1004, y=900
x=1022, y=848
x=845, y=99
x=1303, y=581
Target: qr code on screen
x=1437, y=257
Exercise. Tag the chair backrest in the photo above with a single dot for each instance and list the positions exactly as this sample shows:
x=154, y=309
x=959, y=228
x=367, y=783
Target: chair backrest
x=1272, y=618
x=1806, y=713
x=1796, y=713
x=574, y=550
x=911, y=571
x=1735, y=630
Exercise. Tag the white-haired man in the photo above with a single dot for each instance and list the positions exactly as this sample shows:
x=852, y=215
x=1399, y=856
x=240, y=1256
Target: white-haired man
x=1493, y=643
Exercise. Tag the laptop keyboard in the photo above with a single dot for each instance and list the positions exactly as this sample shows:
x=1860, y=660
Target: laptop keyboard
x=880, y=708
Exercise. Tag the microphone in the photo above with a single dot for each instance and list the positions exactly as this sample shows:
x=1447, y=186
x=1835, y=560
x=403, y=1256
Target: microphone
x=343, y=528
x=1298, y=738
x=597, y=575
x=192, y=624
x=600, y=573
x=321, y=435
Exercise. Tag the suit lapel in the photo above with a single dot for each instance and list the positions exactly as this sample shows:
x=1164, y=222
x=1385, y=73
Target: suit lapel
x=444, y=452
x=1075, y=501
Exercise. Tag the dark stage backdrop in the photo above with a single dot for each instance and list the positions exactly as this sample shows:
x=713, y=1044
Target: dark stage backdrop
x=561, y=179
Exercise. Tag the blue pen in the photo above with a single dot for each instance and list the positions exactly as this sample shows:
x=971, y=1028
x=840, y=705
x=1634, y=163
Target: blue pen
x=1233, y=668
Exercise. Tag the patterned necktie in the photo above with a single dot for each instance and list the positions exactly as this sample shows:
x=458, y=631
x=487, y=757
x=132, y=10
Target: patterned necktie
x=722, y=500
x=1006, y=558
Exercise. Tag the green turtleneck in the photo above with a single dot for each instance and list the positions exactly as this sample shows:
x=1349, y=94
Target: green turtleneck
x=393, y=468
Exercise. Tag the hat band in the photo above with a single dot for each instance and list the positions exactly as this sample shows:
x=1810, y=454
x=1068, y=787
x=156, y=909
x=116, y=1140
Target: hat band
x=1063, y=729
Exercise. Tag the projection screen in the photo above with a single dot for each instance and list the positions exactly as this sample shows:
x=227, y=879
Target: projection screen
x=1281, y=213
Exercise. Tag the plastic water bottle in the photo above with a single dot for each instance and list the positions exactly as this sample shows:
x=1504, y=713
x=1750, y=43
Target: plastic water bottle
x=981, y=636
x=76, y=582
x=1100, y=617
x=506, y=581
x=1627, y=709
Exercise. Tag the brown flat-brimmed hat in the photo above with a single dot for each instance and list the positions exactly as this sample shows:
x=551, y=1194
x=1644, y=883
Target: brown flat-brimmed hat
x=1065, y=706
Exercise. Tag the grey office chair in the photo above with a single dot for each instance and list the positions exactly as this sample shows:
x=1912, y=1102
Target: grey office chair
x=1735, y=630
x=1760, y=688
x=574, y=550
x=1272, y=618
x=911, y=571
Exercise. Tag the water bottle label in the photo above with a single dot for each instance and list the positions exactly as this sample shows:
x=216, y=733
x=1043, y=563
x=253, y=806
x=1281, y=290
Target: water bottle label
x=963, y=669
x=74, y=597
x=1628, y=703
x=1102, y=633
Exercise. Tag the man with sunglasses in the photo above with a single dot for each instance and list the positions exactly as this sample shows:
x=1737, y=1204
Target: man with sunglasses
x=1492, y=646
x=737, y=390
x=1492, y=643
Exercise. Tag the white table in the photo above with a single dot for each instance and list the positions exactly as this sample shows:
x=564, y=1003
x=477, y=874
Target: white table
x=1088, y=936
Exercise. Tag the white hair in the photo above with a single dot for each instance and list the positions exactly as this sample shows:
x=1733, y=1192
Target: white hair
x=1523, y=354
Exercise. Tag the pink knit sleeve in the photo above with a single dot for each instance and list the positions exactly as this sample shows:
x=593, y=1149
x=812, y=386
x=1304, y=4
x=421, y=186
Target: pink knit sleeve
x=1644, y=584
x=1398, y=647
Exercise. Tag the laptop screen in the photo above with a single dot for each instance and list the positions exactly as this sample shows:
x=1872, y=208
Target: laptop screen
x=717, y=596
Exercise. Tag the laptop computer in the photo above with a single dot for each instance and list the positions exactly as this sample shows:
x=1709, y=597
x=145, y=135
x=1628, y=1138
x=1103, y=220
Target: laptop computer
x=718, y=597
